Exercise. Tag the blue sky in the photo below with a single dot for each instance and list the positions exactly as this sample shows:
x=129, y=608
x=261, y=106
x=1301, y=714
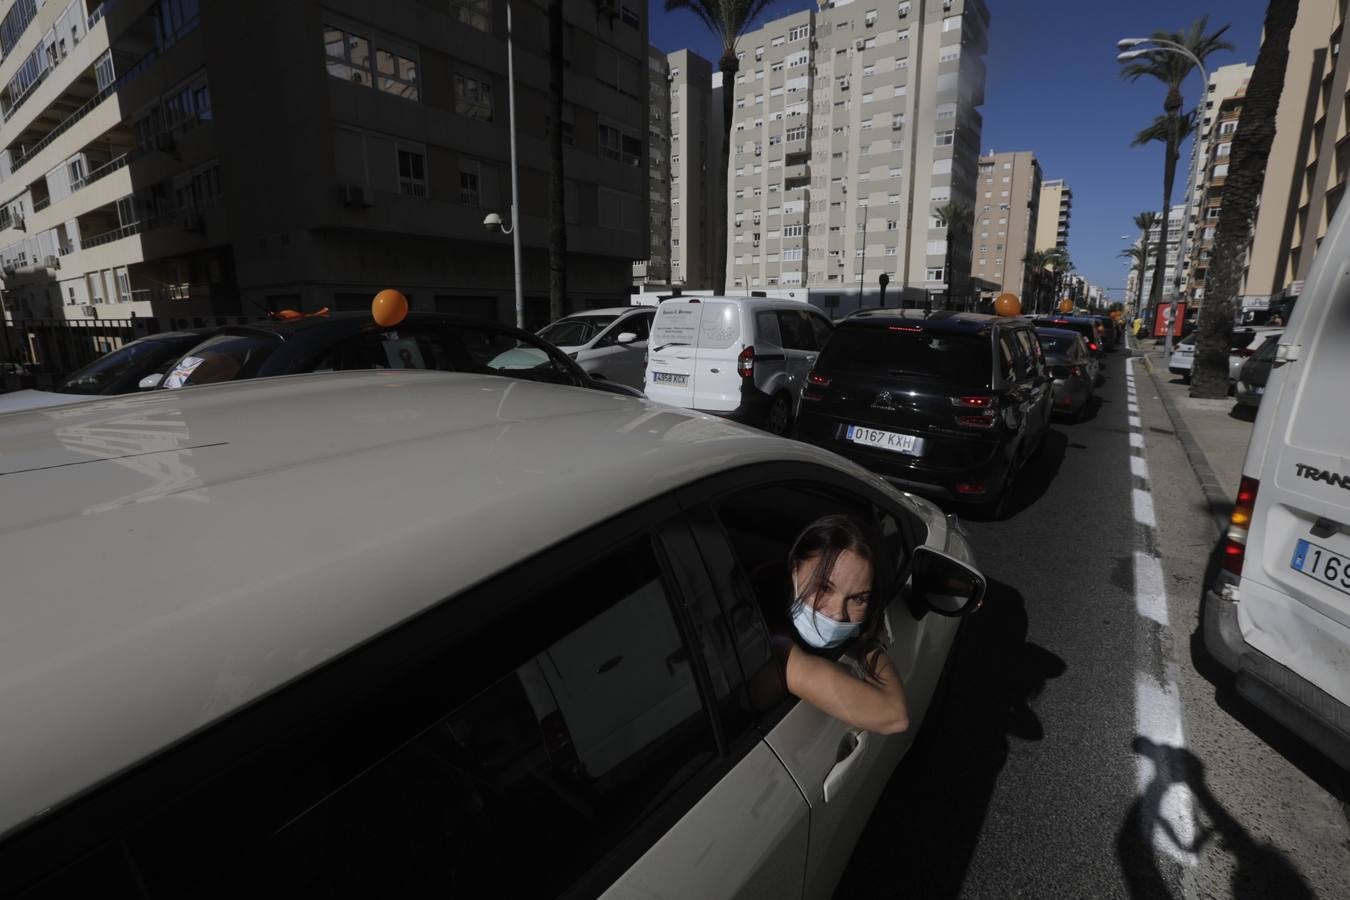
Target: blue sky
x=1054, y=89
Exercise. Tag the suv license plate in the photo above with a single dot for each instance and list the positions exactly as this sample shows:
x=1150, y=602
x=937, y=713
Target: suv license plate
x=886, y=440
x=669, y=378
x=1320, y=563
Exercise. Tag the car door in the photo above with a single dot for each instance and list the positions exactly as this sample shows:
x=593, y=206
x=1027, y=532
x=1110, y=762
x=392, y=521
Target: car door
x=1031, y=391
x=623, y=363
x=799, y=349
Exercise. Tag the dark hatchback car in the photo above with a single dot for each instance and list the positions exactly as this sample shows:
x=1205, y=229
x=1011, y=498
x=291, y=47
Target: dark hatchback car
x=1088, y=327
x=950, y=406
x=346, y=341
x=1255, y=372
x=1072, y=368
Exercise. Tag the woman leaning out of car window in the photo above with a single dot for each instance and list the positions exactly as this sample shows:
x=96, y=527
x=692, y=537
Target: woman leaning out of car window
x=837, y=602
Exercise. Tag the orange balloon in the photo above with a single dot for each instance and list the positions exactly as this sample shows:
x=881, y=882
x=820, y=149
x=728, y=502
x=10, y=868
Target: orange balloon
x=1007, y=305
x=1066, y=305
x=389, y=308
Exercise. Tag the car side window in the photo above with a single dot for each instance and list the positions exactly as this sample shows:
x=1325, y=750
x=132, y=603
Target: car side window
x=821, y=327
x=394, y=349
x=766, y=329
x=496, y=352
x=640, y=324
x=1007, y=358
x=563, y=734
x=1035, y=353
x=1024, y=360
x=797, y=334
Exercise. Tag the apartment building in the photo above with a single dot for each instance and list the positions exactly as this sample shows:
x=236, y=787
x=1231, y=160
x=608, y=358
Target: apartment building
x=1223, y=83
x=1056, y=207
x=1308, y=163
x=1207, y=206
x=655, y=269
x=1175, y=218
x=165, y=161
x=1007, y=198
x=852, y=125
x=698, y=193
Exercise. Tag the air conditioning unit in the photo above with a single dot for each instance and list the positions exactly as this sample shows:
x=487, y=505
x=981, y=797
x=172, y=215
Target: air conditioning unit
x=53, y=262
x=194, y=222
x=859, y=43
x=89, y=311
x=355, y=195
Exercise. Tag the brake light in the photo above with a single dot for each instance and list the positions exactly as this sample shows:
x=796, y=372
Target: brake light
x=969, y=487
x=1239, y=524
x=1092, y=345
x=911, y=328
x=977, y=421
x=973, y=402
x=745, y=363
x=1244, y=352
x=822, y=380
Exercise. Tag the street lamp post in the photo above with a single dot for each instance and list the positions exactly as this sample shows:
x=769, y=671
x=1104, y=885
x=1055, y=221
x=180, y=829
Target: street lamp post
x=1165, y=46
x=515, y=190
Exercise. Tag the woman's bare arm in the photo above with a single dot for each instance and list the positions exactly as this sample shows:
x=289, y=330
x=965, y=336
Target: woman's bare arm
x=877, y=706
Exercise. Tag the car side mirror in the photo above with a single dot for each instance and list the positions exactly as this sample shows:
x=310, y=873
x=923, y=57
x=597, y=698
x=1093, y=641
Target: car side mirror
x=626, y=337
x=150, y=382
x=947, y=586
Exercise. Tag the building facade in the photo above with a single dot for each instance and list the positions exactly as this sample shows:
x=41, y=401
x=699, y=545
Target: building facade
x=1056, y=207
x=655, y=269
x=1206, y=208
x=852, y=127
x=698, y=203
x=1175, y=219
x=1008, y=196
x=152, y=174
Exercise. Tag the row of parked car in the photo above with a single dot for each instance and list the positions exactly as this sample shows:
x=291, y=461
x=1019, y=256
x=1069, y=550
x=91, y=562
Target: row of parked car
x=1251, y=351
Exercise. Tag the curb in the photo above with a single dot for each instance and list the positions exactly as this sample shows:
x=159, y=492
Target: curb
x=1216, y=498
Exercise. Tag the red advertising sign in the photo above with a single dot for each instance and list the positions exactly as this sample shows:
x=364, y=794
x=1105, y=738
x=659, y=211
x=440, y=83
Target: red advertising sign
x=1166, y=313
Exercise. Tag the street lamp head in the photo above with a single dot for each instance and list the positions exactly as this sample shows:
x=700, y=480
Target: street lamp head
x=492, y=222
x=1127, y=43
x=1132, y=54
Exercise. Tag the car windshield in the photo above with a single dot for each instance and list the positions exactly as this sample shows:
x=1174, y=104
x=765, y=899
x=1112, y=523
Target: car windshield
x=959, y=360
x=139, y=358
x=575, y=330
x=1056, y=343
x=224, y=357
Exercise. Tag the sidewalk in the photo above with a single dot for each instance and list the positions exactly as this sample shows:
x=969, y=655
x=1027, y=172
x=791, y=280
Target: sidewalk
x=1213, y=434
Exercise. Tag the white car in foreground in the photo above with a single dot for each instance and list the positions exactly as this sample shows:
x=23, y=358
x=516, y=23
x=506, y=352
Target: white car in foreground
x=370, y=634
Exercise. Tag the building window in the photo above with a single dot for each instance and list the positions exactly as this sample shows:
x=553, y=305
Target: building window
x=348, y=55
x=473, y=97
x=474, y=13
x=470, y=184
x=618, y=145
x=412, y=174
x=395, y=74
x=801, y=32
x=630, y=17
x=943, y=138
x=935, y=274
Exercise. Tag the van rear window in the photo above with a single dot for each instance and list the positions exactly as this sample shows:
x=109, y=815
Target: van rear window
x=713, y=326
x=955, y=359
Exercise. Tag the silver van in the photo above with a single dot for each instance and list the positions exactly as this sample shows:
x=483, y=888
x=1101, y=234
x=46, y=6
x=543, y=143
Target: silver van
x=1278, y=615
x=406, y=633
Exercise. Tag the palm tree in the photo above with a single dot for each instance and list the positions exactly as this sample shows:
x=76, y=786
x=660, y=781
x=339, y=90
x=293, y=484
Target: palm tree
x=1246, y=174
x=1170, y=131
x=728, y=20
x=1057, y=258
x=1138, y=257
x=951, y=215
x=1171, y=68
x=1144, y=222
x=1037, y=261
x=557, y=216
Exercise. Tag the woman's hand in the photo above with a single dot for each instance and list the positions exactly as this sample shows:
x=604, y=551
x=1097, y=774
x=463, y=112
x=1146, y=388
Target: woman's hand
x=876, y=705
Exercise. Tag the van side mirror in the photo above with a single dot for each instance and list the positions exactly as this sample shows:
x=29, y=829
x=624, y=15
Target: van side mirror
x=150, y=382
x=626, y=337
x=947, y=586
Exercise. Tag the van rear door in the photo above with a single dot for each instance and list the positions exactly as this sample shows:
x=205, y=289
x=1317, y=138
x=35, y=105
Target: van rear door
x=671, y=349
x=1294, y=598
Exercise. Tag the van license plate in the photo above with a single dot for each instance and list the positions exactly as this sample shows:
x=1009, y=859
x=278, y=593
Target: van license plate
x=1320, y=563
x=886, y=440
x=669, y=378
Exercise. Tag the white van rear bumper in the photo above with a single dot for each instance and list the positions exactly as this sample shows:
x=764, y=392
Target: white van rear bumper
x=1289, y=698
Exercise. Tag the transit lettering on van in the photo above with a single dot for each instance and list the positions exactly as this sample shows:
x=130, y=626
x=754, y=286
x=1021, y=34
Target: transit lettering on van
x=1330, y=477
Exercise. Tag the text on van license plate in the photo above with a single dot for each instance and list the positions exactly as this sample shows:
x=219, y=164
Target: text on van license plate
x=669, y=378
x=1320, y=563
x=886, y=440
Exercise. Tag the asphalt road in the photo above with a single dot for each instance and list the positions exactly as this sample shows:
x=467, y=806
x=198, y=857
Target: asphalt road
x=1058, y=765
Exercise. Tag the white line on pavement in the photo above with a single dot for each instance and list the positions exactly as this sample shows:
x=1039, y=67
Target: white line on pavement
x=1136, y=440
x=1142, y=501
x=1138, y=467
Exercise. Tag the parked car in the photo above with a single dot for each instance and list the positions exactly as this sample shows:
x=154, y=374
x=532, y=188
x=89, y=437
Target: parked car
x=377, y=633
x=118, y=372
x=744, y=358
x=608, y=344
x=1072, y=368
x=1251, y=382
x=1276, y=614
x=1243, y=343
x=1090, y=329
x=345, y=341
x=1183, y=358
x=950, y=406
x=1110, y=337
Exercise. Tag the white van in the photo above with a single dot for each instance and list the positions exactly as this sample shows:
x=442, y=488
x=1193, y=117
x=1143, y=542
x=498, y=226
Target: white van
x=744, y=358
x=1278, y=614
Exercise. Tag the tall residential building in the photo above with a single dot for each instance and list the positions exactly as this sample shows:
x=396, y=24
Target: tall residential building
x=165, y=164
x=1052, y=225
x=852, y=126
x=1205, y=211
x=1308, y=162
x=1007, y=198
x=1174, y=221
x=698, y=203
x=655, y=269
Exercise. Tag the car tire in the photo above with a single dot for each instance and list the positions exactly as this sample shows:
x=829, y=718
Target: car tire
x=779, y=418
x=1186, y=379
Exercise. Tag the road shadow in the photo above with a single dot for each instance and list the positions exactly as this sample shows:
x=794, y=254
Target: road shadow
x=1242, y=413
x=923, y=832
x=1149, y=835
x=1039, y=472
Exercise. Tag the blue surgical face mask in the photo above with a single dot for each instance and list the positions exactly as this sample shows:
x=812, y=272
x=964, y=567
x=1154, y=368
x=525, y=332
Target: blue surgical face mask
x=818, y=630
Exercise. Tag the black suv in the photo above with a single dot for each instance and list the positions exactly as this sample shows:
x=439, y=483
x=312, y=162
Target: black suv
x=949, y=406
x=1088, y=326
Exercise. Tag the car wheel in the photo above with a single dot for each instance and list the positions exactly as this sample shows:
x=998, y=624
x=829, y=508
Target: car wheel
x=780, y=416
x=1186, y=378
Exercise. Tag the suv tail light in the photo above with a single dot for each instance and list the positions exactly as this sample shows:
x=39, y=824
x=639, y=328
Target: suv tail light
x=986, y=414
x=815, y=385
x=1239, y=523
x=745, y=363
x=1092, y=345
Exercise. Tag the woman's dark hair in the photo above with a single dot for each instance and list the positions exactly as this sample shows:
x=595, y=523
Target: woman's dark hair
x=825, y=539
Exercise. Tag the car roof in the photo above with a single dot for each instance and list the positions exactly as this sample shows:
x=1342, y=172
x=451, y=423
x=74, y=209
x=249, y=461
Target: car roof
x=944, y=321
x=607, y=311
x=204, y=547
x=1058, y=332
x=350, y=322
x=727, y=298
